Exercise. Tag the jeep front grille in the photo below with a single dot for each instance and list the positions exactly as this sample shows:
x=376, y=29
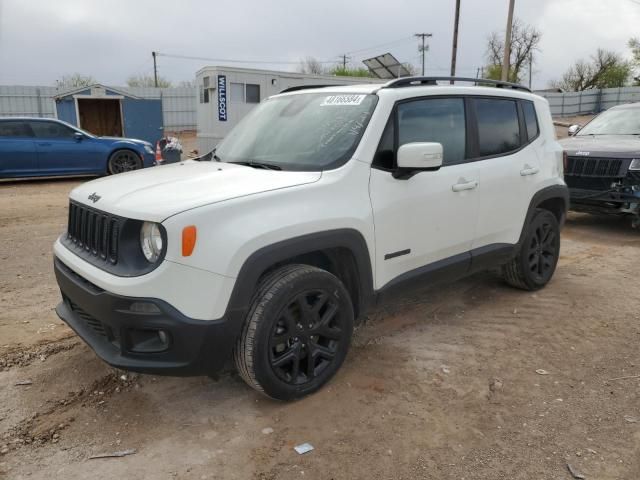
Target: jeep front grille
x=596, y=167
x=96, y=232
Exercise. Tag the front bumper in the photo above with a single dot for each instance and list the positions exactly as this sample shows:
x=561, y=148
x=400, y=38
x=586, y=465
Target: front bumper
x=127, y=337
x=607, y=201
x=148, y=159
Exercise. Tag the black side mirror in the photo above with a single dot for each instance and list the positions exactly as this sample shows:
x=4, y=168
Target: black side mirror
x=78, y=136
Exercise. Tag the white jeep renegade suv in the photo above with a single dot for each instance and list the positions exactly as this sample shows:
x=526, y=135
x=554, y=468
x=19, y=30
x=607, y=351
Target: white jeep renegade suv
x=268, y=249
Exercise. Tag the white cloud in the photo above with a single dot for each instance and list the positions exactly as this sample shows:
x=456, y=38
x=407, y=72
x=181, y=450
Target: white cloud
x=575, y=29
x=41, y=40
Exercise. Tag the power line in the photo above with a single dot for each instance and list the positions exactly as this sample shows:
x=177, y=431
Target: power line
x=344, y=57
x=374, y=47
x=228, y=60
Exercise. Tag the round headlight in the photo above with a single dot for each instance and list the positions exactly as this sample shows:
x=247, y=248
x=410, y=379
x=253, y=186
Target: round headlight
x=151, y=241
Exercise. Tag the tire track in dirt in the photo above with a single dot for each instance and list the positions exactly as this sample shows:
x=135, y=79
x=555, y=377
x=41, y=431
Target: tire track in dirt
x=45, y=425
x=20, y=356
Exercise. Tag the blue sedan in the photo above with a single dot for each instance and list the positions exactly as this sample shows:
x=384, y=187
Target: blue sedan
x=37, y=147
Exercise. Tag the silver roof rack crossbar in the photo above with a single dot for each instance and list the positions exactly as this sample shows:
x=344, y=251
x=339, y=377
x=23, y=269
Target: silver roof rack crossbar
x=414, y=81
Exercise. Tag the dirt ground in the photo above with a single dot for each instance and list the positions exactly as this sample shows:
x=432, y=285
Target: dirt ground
x=562, y=131
x=440, y=384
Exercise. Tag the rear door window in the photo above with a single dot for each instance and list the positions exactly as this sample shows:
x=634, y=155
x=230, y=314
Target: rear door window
x=51, y=130
x=498, y=126
x=11, y=129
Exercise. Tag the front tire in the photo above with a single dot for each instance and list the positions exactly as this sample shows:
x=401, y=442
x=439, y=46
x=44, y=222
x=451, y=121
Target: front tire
x=535, y=263
x=123, y=161
x=297, y=333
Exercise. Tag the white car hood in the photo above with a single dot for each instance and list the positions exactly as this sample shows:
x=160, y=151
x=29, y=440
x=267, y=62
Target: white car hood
x=157, y=193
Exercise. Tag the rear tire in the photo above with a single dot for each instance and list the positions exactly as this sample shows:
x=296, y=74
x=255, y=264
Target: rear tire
x=535, y=263
x=123, y=161
x=297, y=332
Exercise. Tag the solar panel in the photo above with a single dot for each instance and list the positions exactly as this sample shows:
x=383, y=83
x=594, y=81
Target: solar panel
x=386, y=66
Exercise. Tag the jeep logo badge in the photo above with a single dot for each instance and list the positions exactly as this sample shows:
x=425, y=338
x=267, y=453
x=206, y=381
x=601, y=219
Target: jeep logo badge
x=94, y=197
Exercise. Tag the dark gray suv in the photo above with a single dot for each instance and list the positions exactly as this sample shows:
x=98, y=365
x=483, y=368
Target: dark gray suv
x=602, y=163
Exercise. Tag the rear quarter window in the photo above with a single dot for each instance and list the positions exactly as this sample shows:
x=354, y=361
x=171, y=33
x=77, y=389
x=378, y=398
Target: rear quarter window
x=530, y=119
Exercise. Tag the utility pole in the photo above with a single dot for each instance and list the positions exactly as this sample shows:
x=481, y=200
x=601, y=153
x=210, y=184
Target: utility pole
x=344, y=61
x=530, y=68
x=507, y=44
x=424, y=47
x=155, y=69
x=454, y=50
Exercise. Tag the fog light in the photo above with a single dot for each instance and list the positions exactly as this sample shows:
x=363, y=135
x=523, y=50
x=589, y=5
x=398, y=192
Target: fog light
x=149, y=341
x=144, y=307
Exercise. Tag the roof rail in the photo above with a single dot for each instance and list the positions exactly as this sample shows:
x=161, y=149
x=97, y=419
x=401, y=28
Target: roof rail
x=306, y=87
x=414, y=81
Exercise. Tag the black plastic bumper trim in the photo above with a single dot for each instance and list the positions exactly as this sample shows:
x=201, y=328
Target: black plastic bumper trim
x=104, y=321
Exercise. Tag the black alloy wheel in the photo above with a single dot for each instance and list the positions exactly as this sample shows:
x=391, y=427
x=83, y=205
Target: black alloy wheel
x=297, y=332
x=124, y=161
x=536, y=261
x=306, y=337
x=543, y=250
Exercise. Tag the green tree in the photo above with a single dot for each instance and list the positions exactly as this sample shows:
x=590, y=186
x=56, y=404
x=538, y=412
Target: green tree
x=75, y=80
x=494, y=72
x=605, y=69
x=348, y=71
x=147, y=81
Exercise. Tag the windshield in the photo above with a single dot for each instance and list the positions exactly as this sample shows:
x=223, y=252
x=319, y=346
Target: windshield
x=312, y=131
x=625, y=121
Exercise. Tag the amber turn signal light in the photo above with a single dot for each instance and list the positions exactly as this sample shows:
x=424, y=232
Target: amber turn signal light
x=188, y=240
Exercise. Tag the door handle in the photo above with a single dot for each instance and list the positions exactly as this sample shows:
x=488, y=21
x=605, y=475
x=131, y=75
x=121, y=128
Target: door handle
x=528, y=170
x=464, y=185
x=44, y=144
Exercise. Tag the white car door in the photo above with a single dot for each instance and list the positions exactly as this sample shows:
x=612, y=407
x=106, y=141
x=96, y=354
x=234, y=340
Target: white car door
x=427, y=221
x=510, y=169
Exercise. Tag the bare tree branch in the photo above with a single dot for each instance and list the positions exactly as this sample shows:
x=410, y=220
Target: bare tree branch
x=312, y=66
x=524, y=41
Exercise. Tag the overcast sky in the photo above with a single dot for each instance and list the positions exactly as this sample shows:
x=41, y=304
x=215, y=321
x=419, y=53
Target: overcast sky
x=42, y=40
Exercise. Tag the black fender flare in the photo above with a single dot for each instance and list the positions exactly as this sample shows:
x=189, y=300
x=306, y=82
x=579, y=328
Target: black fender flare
x=552, y=192
x=261, y=260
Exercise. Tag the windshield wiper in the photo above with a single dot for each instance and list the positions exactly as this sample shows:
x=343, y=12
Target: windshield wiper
x=254, y=164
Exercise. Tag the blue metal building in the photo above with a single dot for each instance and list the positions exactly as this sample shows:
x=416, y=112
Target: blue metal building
x=107, y=111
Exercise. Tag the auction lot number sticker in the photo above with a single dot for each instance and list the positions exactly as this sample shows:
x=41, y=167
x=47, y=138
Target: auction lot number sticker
x=340, y=100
